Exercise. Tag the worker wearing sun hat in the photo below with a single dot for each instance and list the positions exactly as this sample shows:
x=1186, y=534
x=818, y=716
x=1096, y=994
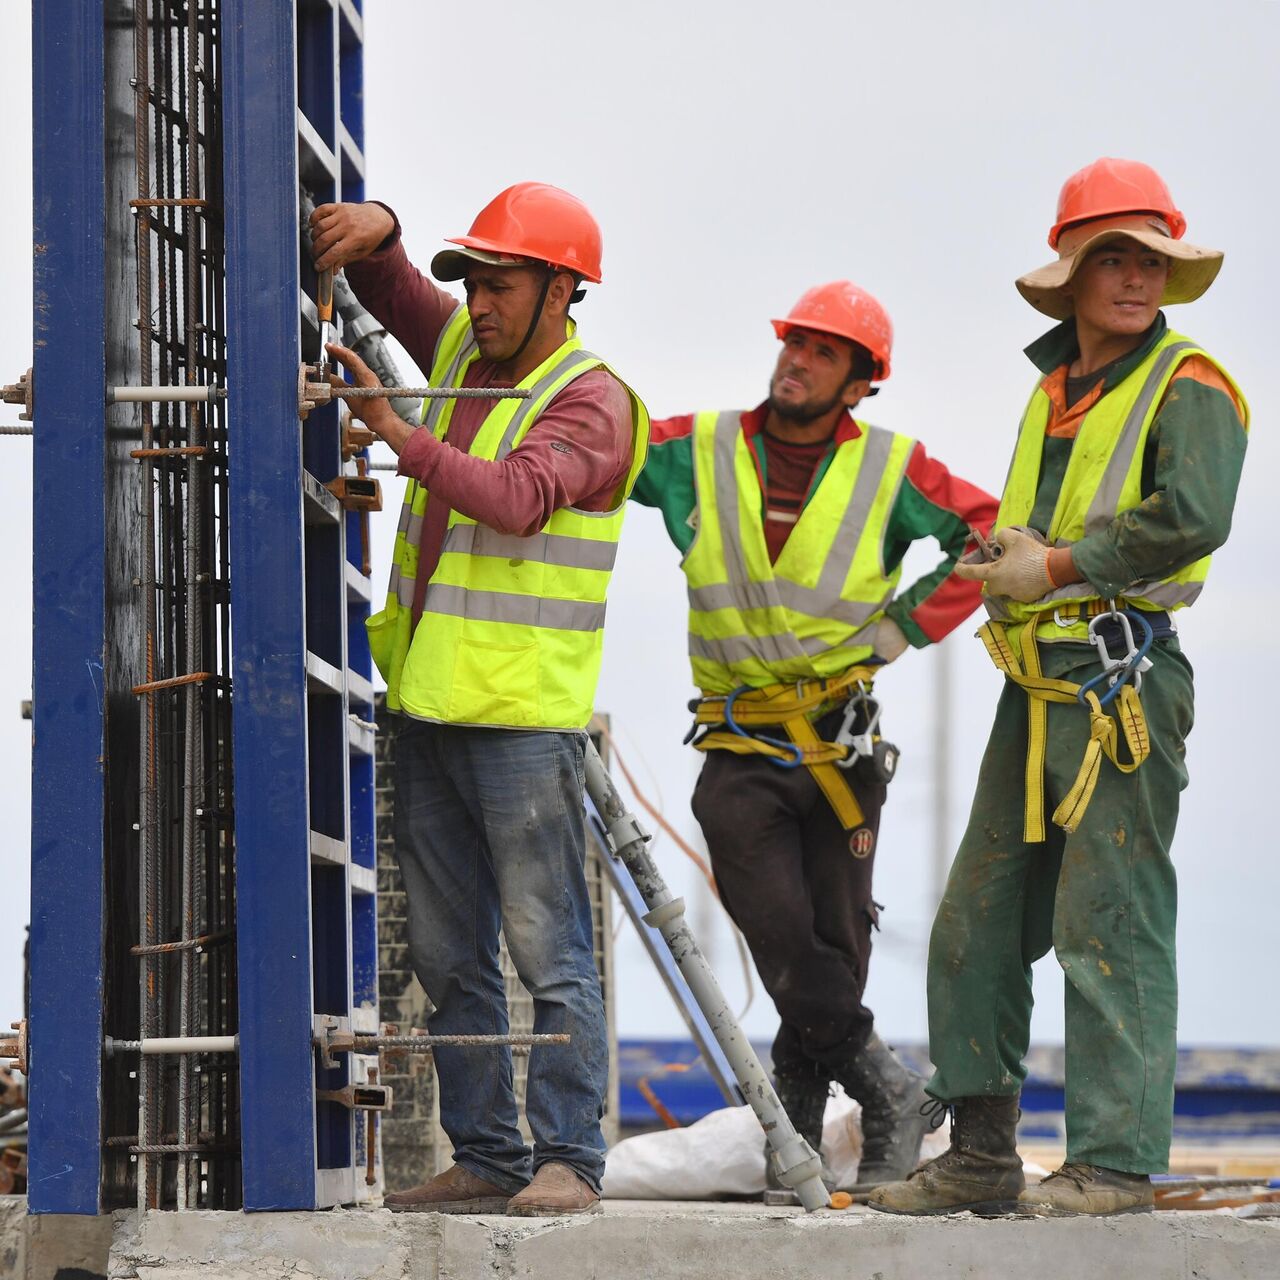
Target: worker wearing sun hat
x=1123, y=481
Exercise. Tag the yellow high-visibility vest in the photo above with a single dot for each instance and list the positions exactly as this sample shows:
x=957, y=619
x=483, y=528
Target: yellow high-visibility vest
x=1103, y=478
x=812, y=614
x=511, y=632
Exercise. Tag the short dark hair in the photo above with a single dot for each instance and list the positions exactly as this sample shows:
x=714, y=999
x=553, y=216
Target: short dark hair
x=863, y=365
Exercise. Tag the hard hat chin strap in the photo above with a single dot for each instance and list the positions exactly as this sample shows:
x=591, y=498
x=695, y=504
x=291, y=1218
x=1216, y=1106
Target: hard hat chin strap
x=537, y=315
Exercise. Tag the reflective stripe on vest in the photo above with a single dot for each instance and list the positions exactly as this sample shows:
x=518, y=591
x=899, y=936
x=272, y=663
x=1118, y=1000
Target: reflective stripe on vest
x=511, y=628
x=813, y=613
x=1103, y=478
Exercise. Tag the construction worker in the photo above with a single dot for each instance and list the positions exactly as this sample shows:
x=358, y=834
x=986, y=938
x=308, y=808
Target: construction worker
x=793, y=519
x=490, y=644
x=1123, y=480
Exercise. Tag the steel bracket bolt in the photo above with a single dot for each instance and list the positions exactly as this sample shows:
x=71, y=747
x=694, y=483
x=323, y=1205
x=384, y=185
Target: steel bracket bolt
x=21, y=392
x=16, y=1048
x=332, y=1040
x=312, y=390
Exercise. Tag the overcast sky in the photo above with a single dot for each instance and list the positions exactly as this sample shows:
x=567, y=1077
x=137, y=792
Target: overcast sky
x=735, y=154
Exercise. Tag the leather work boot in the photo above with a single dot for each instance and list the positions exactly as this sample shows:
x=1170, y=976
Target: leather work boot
x=554, y=1191
x=803, y=1095
x=1088, y=1188
x=893, y=1126
x=980, y=1171
x=456, y=1190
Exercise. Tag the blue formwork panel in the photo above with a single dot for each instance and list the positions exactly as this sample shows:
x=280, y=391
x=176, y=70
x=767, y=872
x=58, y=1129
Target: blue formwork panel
x=278, y=1139
x=69, y=592
x=303, y=699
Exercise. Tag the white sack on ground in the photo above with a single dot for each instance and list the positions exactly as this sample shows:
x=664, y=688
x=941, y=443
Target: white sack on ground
x=723, y=1155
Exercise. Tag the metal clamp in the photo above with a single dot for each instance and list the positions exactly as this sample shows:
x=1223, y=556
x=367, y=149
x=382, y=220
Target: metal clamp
x=21, y=392
x=16, y=1047
x=861, y=745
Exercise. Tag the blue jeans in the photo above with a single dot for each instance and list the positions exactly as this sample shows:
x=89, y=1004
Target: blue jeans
x=490, y=832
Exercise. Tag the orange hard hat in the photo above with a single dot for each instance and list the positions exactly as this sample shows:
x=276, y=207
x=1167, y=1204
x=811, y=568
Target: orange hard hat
x=528, y=221
x=1108, y=187
x=849, y=312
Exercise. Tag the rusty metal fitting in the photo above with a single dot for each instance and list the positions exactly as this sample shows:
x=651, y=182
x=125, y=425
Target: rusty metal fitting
x=359, y=1097
x=356, y=493
x=16, y=1046
x=313, y=389
x=21, y=392
x=356, y=437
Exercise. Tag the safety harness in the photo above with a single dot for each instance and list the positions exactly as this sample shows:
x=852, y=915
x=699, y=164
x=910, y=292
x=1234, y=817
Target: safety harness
x=733, y=721
x=1122, y=677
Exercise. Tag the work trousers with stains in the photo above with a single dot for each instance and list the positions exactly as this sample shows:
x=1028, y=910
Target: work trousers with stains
x=1105, y=900
x=800, y=896
x=490, y=832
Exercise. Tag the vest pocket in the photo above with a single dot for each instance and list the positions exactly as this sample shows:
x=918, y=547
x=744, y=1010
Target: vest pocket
x=495, y=683
x=382, y=638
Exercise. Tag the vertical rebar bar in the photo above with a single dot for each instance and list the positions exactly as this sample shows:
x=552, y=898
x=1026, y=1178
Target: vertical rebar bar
x=148, y=1073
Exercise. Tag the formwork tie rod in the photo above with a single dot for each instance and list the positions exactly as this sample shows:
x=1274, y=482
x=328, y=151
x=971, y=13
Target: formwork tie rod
x=213, y=392
x=164, y=1046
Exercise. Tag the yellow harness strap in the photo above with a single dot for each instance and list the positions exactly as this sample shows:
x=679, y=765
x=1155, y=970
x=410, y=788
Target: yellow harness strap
x=1024, y=671
x=793, y=706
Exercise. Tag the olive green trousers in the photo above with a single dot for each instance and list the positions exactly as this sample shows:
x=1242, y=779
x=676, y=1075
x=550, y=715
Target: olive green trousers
x=1105, y=900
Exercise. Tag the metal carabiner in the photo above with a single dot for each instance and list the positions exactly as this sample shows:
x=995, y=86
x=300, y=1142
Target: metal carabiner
x=1118, y=671
x=861, y=745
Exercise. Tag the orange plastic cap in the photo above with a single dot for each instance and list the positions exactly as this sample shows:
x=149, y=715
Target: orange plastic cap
x=541, y=222
x=844, y=309
x=1108, y=187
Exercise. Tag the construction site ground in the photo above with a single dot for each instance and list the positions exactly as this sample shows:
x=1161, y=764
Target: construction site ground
x=638, y=1240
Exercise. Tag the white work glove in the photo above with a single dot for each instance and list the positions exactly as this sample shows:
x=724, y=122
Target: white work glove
x=1021, y=569
x=889, y=641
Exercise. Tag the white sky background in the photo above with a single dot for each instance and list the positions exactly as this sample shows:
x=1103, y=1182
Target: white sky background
x=735, y=154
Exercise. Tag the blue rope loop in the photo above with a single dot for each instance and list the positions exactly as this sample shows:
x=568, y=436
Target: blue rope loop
x=1124, y=674
x=797, y=755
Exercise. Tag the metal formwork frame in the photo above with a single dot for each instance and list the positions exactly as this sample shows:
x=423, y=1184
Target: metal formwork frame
x=303, y=698
x=302, y=739
x=69, y=641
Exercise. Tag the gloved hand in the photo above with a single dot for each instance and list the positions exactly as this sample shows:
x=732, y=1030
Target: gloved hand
x=889, y=641
x=1020, y=572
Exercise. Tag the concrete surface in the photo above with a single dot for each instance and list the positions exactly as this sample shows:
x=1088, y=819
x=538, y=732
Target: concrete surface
x=52, y=1247
x=683, y=1241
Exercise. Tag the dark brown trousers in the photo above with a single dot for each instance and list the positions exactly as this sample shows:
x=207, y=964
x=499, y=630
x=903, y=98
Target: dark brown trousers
x=789, y=876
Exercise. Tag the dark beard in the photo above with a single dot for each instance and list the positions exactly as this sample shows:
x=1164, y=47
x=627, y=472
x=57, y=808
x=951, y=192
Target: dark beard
x=802, y=415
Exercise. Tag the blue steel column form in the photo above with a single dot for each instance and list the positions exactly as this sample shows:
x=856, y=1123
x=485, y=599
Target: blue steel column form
x=69, y=579
x=270, y=736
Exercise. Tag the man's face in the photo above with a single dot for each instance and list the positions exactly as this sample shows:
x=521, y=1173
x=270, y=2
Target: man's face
x=811, y=375
x=1118, y=287
x=500, y=301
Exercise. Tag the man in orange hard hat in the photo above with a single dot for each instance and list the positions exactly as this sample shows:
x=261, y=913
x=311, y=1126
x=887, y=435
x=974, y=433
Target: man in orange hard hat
x=490, y=643
x=1122, y=483
x=793, y=519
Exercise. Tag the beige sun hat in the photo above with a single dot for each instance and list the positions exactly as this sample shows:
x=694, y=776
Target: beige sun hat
x=1192, y=268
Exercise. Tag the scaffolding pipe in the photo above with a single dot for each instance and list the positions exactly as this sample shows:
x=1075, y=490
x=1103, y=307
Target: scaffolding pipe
x=797, y=1164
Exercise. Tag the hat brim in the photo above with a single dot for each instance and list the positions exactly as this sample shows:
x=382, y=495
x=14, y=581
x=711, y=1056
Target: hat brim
x=453, y=264
x=1192, y=269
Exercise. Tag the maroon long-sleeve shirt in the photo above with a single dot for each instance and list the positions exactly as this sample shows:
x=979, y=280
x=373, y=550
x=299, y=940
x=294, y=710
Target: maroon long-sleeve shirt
x=576, y=454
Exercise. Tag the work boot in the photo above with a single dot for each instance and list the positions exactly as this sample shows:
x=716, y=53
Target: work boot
x=554, y=1191
x=980, y=1170
x=803, y=1095
x=1088, y=1188
x=893, y=1125
x=456, y=1190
